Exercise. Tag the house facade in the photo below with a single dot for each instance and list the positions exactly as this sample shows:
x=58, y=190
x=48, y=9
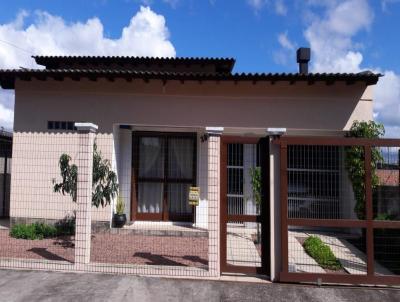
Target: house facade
x=155, y=116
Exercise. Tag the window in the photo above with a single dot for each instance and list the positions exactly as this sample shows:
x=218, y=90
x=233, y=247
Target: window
x=164, y=169
x=61, y=125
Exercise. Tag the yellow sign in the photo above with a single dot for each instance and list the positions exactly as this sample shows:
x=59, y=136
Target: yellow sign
x=194, y=196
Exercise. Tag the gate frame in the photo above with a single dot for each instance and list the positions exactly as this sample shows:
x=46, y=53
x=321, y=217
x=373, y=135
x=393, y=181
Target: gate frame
x=262, y=218
x=369, y=224
x=6, y=152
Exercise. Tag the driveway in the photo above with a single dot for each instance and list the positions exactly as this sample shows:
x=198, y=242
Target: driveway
x=45, y=286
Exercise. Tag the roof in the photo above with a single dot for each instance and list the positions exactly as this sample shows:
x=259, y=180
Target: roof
x=5, y=133
x=8, y=76
x=55, y=62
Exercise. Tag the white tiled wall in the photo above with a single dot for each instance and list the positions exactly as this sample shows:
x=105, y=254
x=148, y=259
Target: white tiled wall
x=35, y=166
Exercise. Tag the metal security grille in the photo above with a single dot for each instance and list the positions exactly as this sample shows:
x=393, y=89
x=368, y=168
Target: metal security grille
x=314, y=181
x=235, y=179
x=5, y=173
x=353, y=189
x=53, y=230
x=243, y=231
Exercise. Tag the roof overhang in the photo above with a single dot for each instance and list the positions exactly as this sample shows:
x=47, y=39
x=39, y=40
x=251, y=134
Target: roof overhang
x=56, y=62
x=9, y=76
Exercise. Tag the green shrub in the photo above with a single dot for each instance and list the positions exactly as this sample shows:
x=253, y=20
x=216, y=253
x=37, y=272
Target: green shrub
x=23, y=231
x=321, y=253
x=66, y=226
x=45, y=230
x=354, y=162
x=384, y=216
x=33, y=231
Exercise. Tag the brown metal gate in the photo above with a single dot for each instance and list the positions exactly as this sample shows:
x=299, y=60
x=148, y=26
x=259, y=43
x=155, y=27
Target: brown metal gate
x=244, y=229
x=320, y=198
x=5, y=172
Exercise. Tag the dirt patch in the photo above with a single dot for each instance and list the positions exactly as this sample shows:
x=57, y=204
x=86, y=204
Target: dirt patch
x=113, y=248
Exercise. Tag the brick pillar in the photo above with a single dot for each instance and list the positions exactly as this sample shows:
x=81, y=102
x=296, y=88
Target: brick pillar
x=86, y=133
x=213, y=196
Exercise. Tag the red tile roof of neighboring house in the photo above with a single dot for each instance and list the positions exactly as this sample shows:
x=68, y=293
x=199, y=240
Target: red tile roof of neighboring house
x=388, y=177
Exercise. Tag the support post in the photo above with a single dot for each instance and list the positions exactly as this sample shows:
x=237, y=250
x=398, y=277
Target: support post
x=213, y=196
x=86, y=133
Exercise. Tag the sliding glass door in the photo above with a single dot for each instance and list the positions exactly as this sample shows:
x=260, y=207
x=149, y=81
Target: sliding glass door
x=164, y=166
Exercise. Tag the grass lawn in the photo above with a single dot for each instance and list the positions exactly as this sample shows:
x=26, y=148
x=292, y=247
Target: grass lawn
x=321, y=253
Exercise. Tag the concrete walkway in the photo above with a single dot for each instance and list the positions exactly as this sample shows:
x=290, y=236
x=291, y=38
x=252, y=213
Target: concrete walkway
x=352, y=259
x=299, y=260
x=44, y=286
x=152, y=228
x=241, y=250
x=4, y=224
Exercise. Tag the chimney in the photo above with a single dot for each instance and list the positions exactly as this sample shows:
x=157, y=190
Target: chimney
x=303, y=57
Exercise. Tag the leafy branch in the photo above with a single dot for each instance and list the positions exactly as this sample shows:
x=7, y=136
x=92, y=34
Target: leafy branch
x=354, y=161
x=255, y=174
x=104, y=183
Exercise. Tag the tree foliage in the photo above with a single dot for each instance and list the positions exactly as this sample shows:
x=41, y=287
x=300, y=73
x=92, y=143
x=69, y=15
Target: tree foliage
x=354, y=161
x=104, y=185
x=255, y=174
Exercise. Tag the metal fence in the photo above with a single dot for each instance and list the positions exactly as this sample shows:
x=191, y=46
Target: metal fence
x=244, y=208
x=64, y=228
x=38, y=231
x=340, y=210
x=5, y=172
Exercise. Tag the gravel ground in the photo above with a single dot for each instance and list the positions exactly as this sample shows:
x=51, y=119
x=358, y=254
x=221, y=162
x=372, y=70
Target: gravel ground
x=61, y=248
x=110, y=248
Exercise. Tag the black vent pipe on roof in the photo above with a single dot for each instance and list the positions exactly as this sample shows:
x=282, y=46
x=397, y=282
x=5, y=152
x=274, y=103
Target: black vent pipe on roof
x=303, y=57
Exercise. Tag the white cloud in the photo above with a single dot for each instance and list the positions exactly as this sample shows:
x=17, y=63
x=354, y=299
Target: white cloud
x=285, y=54
x=280, y=7
x=256, y=4
x=387, y=96
x=285, y=42
x=6, y=109
x=331, y=35
x=145, y=35
x=334, y=49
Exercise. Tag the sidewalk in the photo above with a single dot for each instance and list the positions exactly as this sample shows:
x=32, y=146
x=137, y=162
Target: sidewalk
x=46, y=286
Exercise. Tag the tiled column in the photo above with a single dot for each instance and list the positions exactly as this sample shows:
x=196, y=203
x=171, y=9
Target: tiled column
x=86, y=132
x=214, y=145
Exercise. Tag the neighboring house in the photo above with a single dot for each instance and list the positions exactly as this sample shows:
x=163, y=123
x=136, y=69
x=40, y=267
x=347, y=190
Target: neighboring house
x=153, y=115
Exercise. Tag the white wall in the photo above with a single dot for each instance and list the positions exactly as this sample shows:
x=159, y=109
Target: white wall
x=124, y=160
x=202, y=181
x=275, y=221
x=298, y=106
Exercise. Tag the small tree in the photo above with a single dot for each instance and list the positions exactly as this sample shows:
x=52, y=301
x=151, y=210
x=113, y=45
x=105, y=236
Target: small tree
x=354, y=162
x=104, y=186
x=255, y=174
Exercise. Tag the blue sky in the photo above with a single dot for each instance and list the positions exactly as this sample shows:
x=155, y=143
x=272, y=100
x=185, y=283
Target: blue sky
x=345, y=35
